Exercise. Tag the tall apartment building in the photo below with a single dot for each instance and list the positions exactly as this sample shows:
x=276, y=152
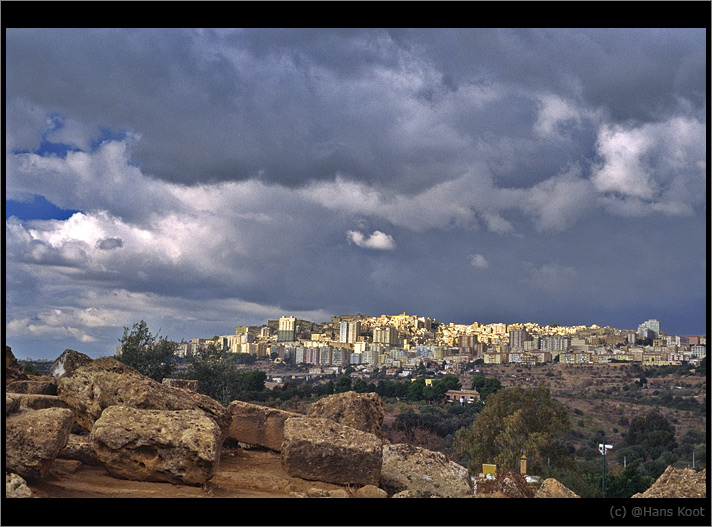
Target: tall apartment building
x=287, y=329
x=652, y=325
x=349, y=331
x=385, y=335
x=468, y=345
x=517, y=338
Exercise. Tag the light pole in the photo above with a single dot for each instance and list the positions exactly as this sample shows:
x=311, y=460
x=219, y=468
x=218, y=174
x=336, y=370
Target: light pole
x=603, y=448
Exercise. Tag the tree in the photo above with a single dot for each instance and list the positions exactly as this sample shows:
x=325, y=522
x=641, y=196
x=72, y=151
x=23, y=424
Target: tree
x=343, y=384
x=486, y=386
x=217, y=375
x=653, y=432
x=515, y=421
x=150, y=354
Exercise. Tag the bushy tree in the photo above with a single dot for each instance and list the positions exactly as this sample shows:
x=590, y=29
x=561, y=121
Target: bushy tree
x=486, y=386
x=653, y=432
x=515, y=421
x=152, y=355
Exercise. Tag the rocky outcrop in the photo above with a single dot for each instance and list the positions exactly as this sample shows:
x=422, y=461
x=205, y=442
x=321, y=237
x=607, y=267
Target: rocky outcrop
x=677, y=483
x=257, y=425
x=186, y=384
x=33, y=438
x=551, y=488
x=362, y=411
x=16, y=487
x=423, y=472
x=13, y=369
x=107, y=382
x=177, y=446
x=324, y=450
x=67, y=362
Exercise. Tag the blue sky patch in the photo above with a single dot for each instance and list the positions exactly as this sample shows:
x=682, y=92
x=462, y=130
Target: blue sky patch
x=36, y=209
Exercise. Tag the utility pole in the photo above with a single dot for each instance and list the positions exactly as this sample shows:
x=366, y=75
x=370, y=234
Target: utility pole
x=603, y=448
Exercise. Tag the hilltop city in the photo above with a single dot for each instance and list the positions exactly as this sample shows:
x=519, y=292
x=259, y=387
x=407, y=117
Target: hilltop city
x=401, y=343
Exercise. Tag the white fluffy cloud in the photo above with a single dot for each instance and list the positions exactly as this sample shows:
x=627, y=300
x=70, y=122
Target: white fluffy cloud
x=654, y=167
x=377, y=240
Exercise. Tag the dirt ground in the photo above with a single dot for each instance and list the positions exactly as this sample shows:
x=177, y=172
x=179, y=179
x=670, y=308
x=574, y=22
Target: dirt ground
x=242, y=473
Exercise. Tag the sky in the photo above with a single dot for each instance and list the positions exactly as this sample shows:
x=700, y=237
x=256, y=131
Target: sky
x=202, y=179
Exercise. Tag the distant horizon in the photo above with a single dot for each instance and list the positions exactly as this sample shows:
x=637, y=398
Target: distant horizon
x=96, y=354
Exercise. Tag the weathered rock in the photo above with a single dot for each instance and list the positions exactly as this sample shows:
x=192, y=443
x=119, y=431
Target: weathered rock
x=33, y=401
x=16, y=487
x=107, y=382
x=186, y=384
x=257, y=425
x=324, y=450
x=67, y=362
x=551, y=488
x=371, y=491
x=362, y=411
x=677, y=483
x=33, y=439
x=13, y=369
x=37, y=384
x=177, y=446
x=405, y=494
x=79, y=447
x=428, y=473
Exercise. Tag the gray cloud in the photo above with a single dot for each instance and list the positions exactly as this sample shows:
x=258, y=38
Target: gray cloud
x=240, y=174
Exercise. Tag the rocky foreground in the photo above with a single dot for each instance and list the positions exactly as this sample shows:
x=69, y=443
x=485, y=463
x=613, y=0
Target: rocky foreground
x=100, y=429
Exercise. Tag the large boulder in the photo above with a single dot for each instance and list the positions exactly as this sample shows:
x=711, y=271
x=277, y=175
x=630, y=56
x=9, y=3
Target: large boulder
x=257, y=425
x=176, y=446
x=67, y=362
x=107, y=382
x=33, y=438
x=362, y=411
x=324, y=450
x=422, y=471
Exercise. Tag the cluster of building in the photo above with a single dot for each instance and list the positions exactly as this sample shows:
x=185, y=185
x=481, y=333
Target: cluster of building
x=403, y=342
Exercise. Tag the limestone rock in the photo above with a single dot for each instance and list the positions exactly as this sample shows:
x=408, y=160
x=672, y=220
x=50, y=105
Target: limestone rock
x=551, y=488
x=428, y=473
x=257, y=425
x=79, y=447
x=33, y=401
x=16, y=487
x=107, y=382
x=67, y=362
x=186, y=384
x=677, y=483
x=362, y=411
x=176, y=446
x=33, y=439
x=371, y=491
x=37, y=384
x=13, y=369
x=405, y=494
x=324, y=450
